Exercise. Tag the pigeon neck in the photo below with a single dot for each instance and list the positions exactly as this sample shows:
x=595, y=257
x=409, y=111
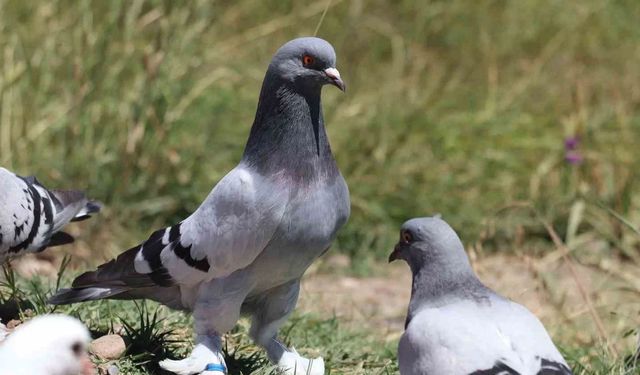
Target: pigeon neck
x=437, y=284
x=288, y=134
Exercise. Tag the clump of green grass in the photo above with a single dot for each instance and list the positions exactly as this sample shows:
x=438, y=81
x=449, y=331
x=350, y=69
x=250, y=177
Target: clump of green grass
x=147, y=341
x=243, y=359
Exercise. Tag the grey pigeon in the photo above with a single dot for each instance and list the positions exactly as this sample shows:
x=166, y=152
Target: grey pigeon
x=244, y=250
x=47, y=345
x=32, y=217
x=458, y=326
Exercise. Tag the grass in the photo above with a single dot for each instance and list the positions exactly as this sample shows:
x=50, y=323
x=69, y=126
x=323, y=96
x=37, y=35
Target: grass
x=153, y=332
x=455, y=107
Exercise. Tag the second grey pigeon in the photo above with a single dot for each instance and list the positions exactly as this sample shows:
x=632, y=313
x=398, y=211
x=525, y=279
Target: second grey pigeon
x=455, y=324
x=244, y=250
x=32, y=216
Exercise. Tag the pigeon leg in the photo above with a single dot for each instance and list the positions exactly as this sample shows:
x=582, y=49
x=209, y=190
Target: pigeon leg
x=216, y=311
x=271, y=311
x=206, y=358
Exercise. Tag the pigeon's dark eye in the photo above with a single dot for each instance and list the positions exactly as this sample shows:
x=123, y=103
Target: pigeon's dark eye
x=77, y=349
x=307, y=60
x=406, y=236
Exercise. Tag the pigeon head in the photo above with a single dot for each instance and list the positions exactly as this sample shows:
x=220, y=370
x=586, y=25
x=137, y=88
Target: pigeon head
x=308, y=63
x=48, y=345
x=430, y=241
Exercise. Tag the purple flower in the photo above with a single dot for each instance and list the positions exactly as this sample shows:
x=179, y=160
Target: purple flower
x=571, y=143
x=573, y=157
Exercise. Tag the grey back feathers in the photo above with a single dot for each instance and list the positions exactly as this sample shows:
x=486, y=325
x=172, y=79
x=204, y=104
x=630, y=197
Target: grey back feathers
x=32, y=216
x=455, y=324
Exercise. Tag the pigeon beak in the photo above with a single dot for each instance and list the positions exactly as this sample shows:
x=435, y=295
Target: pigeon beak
x=395, y=254
x=87, y=366
x=334, y=78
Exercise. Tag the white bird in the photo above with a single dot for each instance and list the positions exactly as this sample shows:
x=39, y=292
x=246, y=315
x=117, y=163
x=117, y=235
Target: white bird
x=245, y=249
x=32, y=217
x=455, y=324
x=3, y=332
x=47, y=345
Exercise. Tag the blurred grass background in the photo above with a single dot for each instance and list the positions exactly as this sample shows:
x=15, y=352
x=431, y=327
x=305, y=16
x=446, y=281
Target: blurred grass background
x=457, y=107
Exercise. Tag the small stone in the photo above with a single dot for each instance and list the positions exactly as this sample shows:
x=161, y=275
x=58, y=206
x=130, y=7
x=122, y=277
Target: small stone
x=113, y=370
x=13, y=324
x=108, y=369
x=108, y=347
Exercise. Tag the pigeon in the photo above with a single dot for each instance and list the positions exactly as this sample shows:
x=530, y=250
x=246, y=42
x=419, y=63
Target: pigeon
x=455, y=324
x=32, y=217
x=4, y=332
x=47, y=345
x=244, y=250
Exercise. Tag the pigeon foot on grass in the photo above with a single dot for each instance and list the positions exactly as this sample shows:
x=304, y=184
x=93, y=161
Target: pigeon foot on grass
x=202, y=360
x=292, y=363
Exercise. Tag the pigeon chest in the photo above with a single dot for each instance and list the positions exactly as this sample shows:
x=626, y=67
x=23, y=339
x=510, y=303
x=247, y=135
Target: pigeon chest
x=313, y=218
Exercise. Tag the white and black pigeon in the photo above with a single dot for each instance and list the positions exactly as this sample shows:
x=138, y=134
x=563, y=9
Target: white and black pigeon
x=455, y=324
x=47, y=345
x=244, y=250
x=32, y=217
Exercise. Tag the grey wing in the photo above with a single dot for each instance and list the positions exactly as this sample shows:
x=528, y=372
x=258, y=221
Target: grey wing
x=467, y=338
x=529, y=336
x=227, y=232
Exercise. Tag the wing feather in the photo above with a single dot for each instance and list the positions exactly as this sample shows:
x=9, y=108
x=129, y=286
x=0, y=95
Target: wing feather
x=226, y=233
x=466, y=338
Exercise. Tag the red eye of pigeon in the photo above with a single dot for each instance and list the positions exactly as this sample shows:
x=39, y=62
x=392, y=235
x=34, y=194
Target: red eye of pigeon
x=406, y=237
x=307, y=60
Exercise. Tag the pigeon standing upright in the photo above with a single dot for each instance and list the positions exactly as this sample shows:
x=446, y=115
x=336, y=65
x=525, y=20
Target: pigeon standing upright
x=32, y=217
x=455, y=324
x=47, y=345
x=244, y=250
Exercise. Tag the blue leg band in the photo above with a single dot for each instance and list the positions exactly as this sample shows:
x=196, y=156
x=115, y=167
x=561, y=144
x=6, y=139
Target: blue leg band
x=216, y=367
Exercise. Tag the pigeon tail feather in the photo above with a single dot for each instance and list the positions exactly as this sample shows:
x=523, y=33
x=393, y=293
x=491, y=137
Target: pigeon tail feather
x=113, y=280
x=90, y=208
x=74, y=295
x=117, y=272
x=60, y=238
x=71, y=198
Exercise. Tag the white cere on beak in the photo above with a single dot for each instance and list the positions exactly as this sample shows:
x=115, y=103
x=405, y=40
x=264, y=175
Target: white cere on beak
x=332, y=73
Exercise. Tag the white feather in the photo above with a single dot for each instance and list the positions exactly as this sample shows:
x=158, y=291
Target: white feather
x=43, y=346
